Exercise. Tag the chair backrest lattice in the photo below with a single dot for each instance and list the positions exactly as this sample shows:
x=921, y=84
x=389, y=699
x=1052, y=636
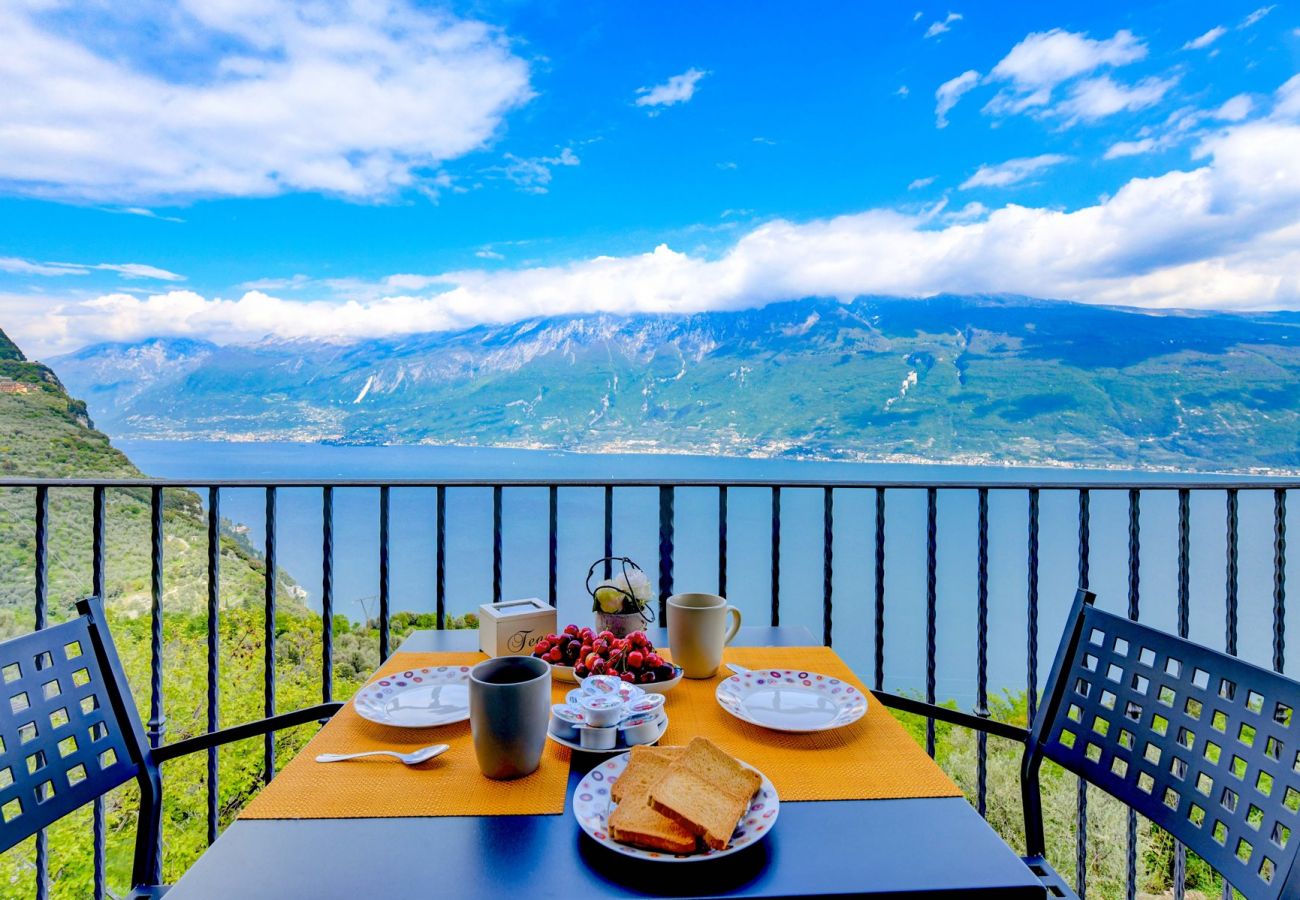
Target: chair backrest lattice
x=61, y=743
x=1204, y=745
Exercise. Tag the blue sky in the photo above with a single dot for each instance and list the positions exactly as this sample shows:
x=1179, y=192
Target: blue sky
x=235, y=169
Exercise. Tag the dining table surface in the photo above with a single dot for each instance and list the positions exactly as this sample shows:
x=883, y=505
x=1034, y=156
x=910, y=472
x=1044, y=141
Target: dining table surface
x=902, y=848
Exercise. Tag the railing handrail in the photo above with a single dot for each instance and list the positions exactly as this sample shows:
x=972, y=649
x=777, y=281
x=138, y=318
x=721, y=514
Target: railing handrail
x=1264, y=483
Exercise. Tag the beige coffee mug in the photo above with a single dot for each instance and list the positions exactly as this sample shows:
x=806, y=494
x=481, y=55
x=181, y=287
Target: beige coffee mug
x=697, y=632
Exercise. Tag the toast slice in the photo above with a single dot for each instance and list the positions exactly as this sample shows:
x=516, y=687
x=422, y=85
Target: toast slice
x=645, y=766
x=720, y=769
x=634, y=822
x=697, y=805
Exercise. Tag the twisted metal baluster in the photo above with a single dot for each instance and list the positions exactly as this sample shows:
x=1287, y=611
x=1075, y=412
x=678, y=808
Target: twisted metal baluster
x=880, y=589
x=385, y=614
x=1230, y=575
x=1081, y=806
x=268, y=639
x=609, y=531
x=99, y=509
x=327, y=594
x=42, y=600
x=157, y=722
x=828, y=560
x=1032, y=660
x=157, y=725
x=982, y=649
x=665, y=549
x=776, y=556
x=1279, y=579
x=440, y=553
x=496, y=544
x=214, y=661
x=722, y=540
x=1134, y=584
x=553, y=543
x=931, y=606
x=1184, y=625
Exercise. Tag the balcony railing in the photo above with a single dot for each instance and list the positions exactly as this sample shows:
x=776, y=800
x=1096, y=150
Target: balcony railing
x=875, y=547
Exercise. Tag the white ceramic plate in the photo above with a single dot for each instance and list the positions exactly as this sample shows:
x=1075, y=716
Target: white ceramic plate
x=417, y=698
x=789, y=700
x=574, y=745
x=592, y=806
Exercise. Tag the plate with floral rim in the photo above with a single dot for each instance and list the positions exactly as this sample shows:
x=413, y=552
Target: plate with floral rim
x=791, y=700
x=592, y=806
x=416, y=698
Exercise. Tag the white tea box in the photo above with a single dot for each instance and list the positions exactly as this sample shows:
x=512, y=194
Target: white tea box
x=513, y=627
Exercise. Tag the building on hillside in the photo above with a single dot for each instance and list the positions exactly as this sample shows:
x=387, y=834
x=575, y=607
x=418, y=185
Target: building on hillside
x=14, y=387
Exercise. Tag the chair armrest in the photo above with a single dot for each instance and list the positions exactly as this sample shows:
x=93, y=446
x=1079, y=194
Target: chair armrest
x=954, y=716
x=246, y=730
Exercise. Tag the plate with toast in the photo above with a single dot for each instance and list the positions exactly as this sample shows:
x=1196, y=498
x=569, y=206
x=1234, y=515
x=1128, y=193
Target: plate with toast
x=676, y=804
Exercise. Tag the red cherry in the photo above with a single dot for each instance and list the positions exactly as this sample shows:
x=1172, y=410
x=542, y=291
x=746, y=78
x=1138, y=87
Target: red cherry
x=606, y=635
x=647, y=678
x=635, y=658
x=628, y=677
x=654, y=660
x=590, y=660
x=587, y=634
x=571, y=630
x=581, y=671
x=555, y=656
x=543, y=646
x=601, y=646
x=615, y=655
x=599, y=667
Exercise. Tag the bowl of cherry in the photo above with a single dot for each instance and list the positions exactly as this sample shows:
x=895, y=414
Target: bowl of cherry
x=577, y=652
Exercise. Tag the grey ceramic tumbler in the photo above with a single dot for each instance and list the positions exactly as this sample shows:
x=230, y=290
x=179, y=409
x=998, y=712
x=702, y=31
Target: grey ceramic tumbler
x=509, y=705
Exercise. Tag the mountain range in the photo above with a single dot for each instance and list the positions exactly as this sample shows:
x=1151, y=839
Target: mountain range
x=949, y=378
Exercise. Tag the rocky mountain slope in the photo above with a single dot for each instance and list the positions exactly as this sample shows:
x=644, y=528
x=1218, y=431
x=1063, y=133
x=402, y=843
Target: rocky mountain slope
x=948, y=378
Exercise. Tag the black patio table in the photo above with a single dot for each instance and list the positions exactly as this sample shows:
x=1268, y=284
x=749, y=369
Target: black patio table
x=911, y=848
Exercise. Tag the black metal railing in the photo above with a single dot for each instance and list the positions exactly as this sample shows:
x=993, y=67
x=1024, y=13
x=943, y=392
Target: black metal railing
x=878, y=496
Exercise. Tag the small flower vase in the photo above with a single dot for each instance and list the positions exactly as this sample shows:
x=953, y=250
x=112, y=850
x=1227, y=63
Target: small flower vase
x=621, y=624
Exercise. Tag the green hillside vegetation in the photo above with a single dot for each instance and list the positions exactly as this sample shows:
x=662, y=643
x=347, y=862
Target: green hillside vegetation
x=45, y=433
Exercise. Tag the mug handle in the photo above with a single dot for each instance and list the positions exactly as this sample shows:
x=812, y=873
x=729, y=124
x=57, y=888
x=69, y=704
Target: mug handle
x=735, y=625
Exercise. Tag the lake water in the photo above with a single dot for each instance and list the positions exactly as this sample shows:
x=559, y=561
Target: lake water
x=636, y=522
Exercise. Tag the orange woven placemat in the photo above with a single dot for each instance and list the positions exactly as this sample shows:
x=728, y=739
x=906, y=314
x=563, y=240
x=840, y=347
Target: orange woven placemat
x=448, y=785
x=872, y=759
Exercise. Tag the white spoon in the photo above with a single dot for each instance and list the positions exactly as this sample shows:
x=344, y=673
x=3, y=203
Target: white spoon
x=415, y=757
x=737, y=670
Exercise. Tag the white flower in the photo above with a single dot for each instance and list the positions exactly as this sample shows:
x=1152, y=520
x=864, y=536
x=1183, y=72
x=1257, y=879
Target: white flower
x=612, y=594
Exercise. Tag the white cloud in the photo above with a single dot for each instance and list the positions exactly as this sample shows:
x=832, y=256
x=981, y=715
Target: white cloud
x=277, y=284
x=1013, y=171
x=678, y=89
x=939, y=26
x=1183, y=125
x=1206, y=39
x=916, y=16
x=1224, y=235
x=485, y=253
x=1097, y=98
x=950, y=92
x=1043, y=60
x=902, y=91
x=1256, y=16
x=919, y=183
x=17, y=266
x=1132, y=148
x=765, y=141
x=145, y=213
x=532, y=174
x=351, y=97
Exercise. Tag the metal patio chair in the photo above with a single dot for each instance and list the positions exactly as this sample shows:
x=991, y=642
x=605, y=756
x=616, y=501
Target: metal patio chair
x=70, y=732
x=1202, y=744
